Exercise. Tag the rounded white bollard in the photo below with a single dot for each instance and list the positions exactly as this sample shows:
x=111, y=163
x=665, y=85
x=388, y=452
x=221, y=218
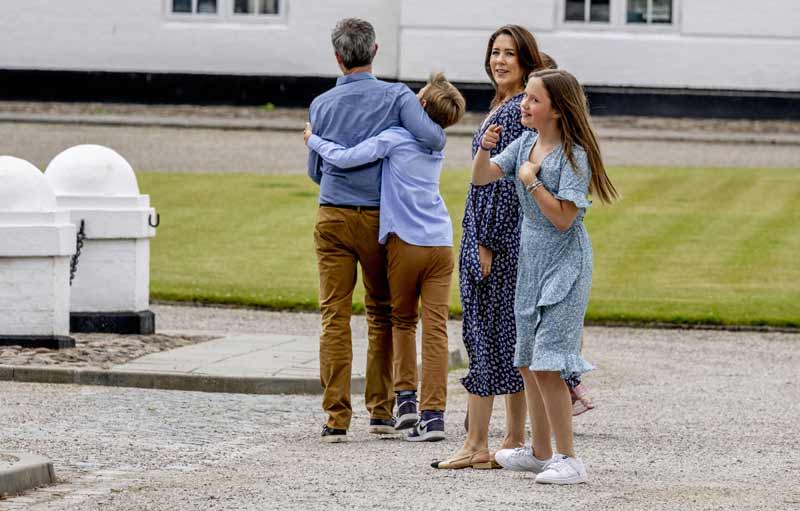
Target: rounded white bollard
x=92, y=171
x=36, y=245
x=111, y=288
x=24, y=187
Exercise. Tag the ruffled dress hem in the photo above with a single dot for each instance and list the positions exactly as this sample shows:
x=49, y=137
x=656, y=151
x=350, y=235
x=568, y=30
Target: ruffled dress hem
x=486, y=390
x=567, y=364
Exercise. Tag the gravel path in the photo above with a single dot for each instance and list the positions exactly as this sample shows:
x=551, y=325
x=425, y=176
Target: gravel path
x=267, y=152
x=685, y=420
x=164, y=149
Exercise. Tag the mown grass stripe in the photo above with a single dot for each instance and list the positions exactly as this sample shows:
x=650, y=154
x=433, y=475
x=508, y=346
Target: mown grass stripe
x=699, y=245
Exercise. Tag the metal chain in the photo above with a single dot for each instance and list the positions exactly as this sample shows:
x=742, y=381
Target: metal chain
x=73, y=264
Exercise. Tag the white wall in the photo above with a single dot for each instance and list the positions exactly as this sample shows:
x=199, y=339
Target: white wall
x=461, y=14
x=138, y=36
x=621, y=59
x=726, y=44
x=764, y=18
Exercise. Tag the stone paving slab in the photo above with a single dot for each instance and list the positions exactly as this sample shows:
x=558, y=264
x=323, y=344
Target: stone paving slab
x=244, y=355
x=258, y=356
x=244, y=363
x=244, y=360
x=20, y=472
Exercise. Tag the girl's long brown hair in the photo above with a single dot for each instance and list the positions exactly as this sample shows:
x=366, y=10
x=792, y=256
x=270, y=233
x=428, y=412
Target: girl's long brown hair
x=567, y=98
x=527, y=54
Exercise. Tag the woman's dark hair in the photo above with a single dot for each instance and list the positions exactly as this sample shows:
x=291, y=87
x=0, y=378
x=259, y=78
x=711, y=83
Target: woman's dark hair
x=548, y=61
x=527, y=54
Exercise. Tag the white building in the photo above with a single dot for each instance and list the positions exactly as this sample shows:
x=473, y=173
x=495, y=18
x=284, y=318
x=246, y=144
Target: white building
x=732, y=45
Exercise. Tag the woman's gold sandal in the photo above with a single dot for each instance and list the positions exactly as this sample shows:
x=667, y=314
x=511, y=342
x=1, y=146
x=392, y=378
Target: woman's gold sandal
x=466, y=461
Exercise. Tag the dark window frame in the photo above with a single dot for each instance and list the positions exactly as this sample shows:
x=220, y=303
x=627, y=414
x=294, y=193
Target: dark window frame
x=587, y=13
x=647, y=17
x=225, y=11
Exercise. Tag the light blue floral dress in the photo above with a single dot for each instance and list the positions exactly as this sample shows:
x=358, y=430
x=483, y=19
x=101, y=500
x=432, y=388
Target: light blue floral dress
x=555, y=268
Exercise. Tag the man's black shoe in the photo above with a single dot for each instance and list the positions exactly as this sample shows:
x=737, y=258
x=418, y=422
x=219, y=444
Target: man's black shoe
x=332, y=436
x=382, y=426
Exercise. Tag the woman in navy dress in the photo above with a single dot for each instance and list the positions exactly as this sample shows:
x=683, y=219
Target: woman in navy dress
x=488, y=261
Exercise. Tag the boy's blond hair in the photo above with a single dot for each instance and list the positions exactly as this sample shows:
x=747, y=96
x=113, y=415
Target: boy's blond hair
x=444, y=103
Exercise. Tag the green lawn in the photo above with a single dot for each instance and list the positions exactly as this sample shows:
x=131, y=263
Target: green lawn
x=716, y=246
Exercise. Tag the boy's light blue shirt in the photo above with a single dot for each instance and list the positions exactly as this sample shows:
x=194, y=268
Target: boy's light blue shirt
x=411, y=206
x=359, y=107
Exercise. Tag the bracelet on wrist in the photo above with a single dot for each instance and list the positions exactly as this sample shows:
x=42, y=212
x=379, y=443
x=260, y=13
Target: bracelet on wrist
x=535, y=185
x=484, y=148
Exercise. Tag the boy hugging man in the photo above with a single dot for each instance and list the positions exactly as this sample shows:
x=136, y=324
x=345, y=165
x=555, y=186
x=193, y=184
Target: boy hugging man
x=416, y=230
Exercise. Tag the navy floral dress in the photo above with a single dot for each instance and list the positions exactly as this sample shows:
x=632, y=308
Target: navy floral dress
x=491, y=219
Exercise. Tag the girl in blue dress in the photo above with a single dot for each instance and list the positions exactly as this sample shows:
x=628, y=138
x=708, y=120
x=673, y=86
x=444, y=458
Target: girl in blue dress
x=553, y=170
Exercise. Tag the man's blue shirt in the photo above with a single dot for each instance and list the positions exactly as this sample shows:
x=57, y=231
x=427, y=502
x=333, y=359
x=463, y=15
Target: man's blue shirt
x=411, y=206
x=360, y=107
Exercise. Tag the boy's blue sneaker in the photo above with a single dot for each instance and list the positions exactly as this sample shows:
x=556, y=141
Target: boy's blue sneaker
x=430, y=428
x=406, y=410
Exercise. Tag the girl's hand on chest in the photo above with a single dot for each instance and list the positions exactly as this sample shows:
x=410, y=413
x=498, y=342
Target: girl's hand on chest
x=528, y=172
x=535, y=160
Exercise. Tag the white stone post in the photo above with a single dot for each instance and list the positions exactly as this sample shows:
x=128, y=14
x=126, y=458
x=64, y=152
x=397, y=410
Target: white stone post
x=111, y=288
x=36, y=245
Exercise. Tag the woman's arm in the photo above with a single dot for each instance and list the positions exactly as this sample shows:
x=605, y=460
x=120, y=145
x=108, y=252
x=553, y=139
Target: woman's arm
x=484, y=171
x=561, y=213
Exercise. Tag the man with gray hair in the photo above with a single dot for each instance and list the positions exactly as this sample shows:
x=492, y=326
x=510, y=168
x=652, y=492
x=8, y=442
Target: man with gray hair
x=346, y=231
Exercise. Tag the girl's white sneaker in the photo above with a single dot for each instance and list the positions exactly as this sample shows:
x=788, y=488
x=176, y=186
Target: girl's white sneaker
x=520, y=459
x=563, y=470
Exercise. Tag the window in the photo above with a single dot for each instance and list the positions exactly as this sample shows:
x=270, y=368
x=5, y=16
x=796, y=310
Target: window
x=587, y=11
x=226, y=9
x=194, y=6
x=257, y=7
x=649, y=11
